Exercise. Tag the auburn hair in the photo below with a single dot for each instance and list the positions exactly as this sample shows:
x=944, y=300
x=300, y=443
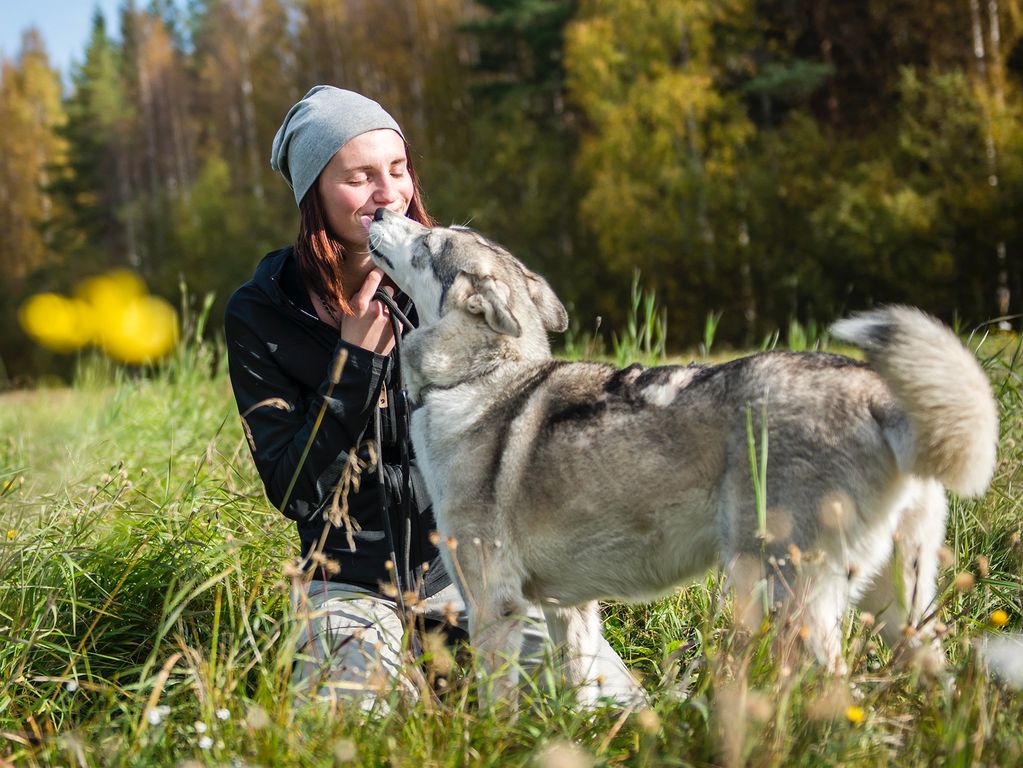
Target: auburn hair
x=320, y=254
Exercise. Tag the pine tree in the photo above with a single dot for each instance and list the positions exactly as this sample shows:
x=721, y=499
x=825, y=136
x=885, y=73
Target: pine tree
x=91, y=182
x=514, y=178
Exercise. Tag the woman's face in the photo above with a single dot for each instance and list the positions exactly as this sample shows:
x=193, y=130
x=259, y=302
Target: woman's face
x=367, y=173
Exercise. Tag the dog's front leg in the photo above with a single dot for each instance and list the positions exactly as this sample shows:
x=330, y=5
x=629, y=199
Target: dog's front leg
x=496, y=619
x=590, y=665
x=489, y=582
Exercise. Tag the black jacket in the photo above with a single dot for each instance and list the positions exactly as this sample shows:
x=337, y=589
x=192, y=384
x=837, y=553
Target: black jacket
x=279, y=357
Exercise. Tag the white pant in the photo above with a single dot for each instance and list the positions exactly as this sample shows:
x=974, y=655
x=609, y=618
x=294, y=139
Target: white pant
x=351, y=644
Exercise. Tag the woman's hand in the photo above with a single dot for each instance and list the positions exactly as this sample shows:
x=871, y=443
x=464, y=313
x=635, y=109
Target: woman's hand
x=370, y=326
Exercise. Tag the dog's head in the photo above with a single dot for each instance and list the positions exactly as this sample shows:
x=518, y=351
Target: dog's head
x=454, y=269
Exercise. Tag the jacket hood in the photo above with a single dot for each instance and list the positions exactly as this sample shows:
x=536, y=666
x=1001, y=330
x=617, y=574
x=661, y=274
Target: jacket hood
x=267, y=276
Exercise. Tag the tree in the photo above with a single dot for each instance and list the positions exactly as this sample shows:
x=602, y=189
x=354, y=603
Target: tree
x=30, y=150
x=30, y=112
x=91, y=185
x=662, y=148
x=509, y=171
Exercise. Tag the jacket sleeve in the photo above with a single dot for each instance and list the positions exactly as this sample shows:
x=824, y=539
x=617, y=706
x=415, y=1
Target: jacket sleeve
x=278, y=425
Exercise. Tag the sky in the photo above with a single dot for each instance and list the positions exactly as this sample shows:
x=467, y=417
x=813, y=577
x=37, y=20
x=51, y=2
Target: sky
x=64, y=25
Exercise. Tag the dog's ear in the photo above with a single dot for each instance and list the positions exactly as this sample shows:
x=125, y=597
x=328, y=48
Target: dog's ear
x=483, y=295
x=555, y=318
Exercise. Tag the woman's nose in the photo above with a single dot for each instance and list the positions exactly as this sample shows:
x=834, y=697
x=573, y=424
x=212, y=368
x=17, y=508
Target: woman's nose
x=386, y=190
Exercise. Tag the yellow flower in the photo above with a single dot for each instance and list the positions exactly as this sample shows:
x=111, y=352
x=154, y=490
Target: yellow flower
x=999, y=618
x=108, y=293
x=142, y=330
x=131, y=326
x=56, y=322
x=855, y=714
x=112, y=310
x=11, y=534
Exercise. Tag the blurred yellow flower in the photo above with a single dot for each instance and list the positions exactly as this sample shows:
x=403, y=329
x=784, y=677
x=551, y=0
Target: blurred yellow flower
x=855, y=715
x=112, y=310
x=109, y=292
x=57, y=322
x=999, y=618
x=11, y=534
x=143, y=330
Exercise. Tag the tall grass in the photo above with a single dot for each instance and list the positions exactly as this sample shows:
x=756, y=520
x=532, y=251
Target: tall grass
x=646, y=328
x=144, y=617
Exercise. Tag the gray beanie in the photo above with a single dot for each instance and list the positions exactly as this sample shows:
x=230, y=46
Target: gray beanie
x=315, y=128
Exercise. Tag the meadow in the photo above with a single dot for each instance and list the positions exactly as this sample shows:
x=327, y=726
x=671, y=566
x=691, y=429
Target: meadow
x=145, y=620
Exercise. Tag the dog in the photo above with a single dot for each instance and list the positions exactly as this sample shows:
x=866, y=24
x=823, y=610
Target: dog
x=563, y=483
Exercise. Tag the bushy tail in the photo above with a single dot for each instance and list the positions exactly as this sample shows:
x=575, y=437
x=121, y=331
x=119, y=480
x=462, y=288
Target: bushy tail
x=945, y=393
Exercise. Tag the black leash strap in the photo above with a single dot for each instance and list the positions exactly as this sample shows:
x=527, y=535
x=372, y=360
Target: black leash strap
x=395, y=313
x=402, y=568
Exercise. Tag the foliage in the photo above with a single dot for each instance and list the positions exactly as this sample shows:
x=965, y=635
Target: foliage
x=665, y=147
x=32, y=115
x=768, y=160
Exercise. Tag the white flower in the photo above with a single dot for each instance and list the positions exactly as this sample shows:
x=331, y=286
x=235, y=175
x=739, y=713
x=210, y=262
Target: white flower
x=155, y=715
x=71, y=685
x=223, y=713
x=205, y=742
x=200, y=726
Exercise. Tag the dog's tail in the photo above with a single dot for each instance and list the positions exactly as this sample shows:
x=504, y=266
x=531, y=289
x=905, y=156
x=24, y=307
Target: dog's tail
x=944, y=391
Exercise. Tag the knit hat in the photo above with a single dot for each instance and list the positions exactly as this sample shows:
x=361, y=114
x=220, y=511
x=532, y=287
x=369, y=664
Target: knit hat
x=315, y=128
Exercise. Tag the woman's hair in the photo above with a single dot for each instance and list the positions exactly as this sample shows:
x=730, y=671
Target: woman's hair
x=320, y=254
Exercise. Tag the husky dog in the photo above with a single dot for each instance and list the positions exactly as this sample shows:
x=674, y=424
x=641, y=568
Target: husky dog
x=562, y=483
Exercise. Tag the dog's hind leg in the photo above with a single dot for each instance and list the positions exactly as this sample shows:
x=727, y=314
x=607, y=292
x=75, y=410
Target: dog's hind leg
x=817, y=610
x=590, y=665
x=809, y=604
x=902, y=594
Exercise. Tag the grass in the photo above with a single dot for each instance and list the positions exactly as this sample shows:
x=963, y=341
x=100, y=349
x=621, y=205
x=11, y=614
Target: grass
x=144, y=618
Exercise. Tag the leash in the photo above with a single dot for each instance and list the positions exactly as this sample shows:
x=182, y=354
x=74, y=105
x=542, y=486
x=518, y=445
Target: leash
x=402, y=568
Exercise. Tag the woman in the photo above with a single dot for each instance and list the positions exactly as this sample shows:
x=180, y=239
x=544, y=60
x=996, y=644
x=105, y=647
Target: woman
x=311, y=309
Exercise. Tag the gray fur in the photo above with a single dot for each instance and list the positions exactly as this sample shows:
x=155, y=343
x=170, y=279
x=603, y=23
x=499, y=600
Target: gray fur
x=565, y=483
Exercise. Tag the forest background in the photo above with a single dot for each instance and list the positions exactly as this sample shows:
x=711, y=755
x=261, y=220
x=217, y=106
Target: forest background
x=767, y=161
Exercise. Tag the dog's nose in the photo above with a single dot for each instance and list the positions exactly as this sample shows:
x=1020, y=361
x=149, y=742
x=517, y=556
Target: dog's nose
x=378, y=215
